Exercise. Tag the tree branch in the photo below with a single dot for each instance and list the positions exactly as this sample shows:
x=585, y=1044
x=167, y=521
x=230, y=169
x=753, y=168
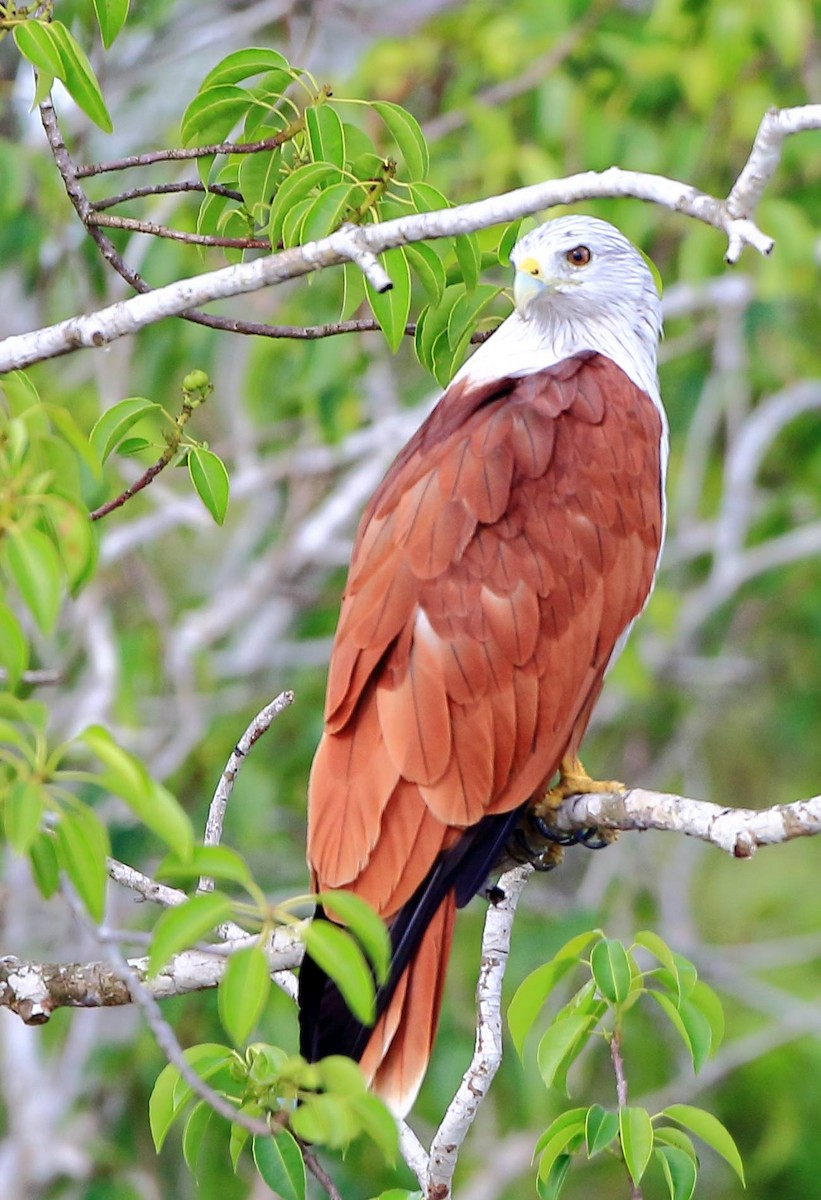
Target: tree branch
x=487, y=1054
x=737, y=831
x=128, y=316
x=216, y=812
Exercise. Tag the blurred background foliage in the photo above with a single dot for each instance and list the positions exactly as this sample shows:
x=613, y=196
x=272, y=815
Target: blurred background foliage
x=188, y=629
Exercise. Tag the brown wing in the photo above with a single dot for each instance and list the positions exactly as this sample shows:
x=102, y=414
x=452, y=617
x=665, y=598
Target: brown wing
x=510, y=545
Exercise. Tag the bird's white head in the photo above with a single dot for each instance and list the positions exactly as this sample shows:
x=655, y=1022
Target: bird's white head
x=580, y=268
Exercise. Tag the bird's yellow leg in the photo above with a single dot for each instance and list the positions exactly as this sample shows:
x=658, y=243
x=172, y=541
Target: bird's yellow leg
x=574, y=781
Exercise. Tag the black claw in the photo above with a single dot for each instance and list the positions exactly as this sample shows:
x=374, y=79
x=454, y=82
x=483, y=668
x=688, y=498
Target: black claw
x=495, y=894
x=594, y=839
x=549, y=834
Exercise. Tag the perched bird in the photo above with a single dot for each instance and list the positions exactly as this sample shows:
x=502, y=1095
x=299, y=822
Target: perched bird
x=495, y=576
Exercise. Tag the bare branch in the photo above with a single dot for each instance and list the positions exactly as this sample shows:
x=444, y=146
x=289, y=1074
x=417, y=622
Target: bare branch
x=216, y=812
x=178, y=298
x=776, y=125
x=737, y=831
x=189, y=152
x=34, y=990
x=165, y=189
x=176, y=235
x=487, y=1054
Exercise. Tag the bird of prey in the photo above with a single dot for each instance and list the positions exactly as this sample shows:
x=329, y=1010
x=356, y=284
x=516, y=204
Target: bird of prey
x=494, y=578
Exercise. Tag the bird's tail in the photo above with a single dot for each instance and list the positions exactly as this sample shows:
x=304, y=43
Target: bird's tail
x=395, y=1051
x=399, y=1048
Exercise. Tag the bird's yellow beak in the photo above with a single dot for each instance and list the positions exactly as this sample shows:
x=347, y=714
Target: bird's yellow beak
x=528, y=282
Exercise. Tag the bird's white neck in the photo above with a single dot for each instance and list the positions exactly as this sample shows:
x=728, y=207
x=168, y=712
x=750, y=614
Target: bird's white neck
x=519, y=347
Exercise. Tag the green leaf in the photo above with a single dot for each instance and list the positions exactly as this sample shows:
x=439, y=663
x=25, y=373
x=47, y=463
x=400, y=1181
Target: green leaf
x=398, y=1194
x=427, y=198
x=560, y=1040
x=463, y=321
x=182, y=926
x=679, y=1172
x=35, y=569
x=600, y=1127
x=364, y=923
x=36, y=42
x=239, y=1136
x=115, y=423
x=167, y=1099
x=14, y=649
x=660, y=950
x=704, y=999
x=81, y=82
x=340, y=957
x=325, y=1119
x=243, y=64
x=149, y=800
x=213, y=113
x=428, y=268
x=611, y=970
x=707, y=1127
x=195, y=1129
x=556, y=1145
x=62, y=420
x=279, y=1162
x=377, y=1122
x=298, y=186
x=573, y=1119
x=258, y=179
x=44, y=865
x=210, y=480
x=469, y=258
x=691, y=1025
x=82, y=846
x=670, y=1135
x=42, y=90
x=243, y=992
x=406, y=132
x=111, y=16
x=341, y=1076
x=509, y=238
x=217, y=862
x=392, y=308
x=326, y=137
x=23, y=810
x=550, y=1187
x=636, y=1135
x=325, y=212
x=535, y=989
x=74, y=537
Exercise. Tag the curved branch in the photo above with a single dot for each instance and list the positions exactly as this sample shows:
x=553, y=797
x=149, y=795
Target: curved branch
x=128, y=316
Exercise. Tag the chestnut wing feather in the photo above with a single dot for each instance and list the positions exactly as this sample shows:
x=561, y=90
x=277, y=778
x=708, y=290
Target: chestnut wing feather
x=510, y=545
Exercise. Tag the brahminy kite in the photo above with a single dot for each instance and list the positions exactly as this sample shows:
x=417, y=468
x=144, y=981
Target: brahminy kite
x=494, y=578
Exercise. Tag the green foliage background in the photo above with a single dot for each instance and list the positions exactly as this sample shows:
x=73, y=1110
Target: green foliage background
x=159, y=646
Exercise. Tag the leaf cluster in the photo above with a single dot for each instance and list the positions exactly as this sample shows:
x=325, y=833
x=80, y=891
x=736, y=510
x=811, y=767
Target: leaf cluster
x=615, y=983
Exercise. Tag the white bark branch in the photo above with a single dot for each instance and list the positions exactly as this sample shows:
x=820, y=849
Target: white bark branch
x=216, y=812
x=731, y=216
x=487, y=1054
x=737, y=831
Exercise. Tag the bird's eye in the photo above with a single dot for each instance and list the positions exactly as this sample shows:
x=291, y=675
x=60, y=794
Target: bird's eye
x=579, y=256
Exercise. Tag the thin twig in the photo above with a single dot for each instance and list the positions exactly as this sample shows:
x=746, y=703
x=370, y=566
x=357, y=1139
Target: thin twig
x=216, y=812
x=176, y=235
x=621, y=1093
x=162, y=1031
x=164, y=189
x=173, y=439
x=319, y=1173
x=189, y=152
